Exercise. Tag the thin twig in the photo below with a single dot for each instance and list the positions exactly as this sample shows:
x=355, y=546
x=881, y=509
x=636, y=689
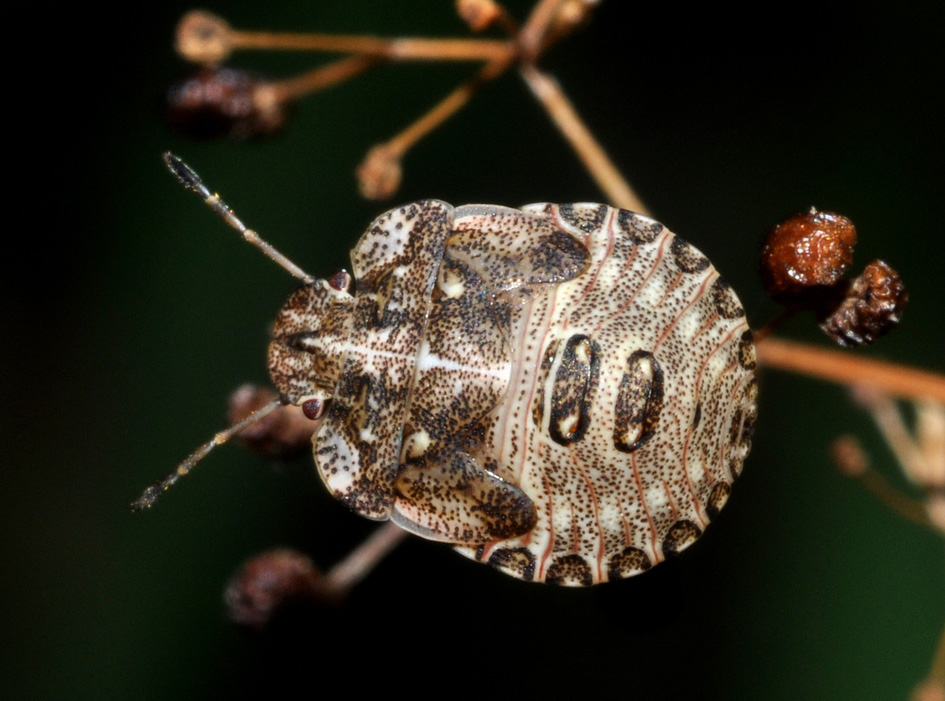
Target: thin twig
x=536, y=26
x=846, y=368
x=446, y=108
x=407, y=48
x=324, y=76
x=592, y=155
x=901, y=503
x=360, y=561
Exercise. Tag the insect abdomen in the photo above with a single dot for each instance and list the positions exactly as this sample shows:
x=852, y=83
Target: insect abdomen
x=630, y=405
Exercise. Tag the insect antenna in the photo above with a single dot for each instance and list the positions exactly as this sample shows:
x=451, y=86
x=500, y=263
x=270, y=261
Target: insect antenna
x=151, y=494
x=189, y=179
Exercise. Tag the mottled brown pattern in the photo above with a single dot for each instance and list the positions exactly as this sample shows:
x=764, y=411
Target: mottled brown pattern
x=637, y=295
x=564, y=392
x=628, y=562
x=519, y=562
x=681, y=535
x=746, y=351
x=449, y=497
x=587, y=218
x=717, y=498
x=687, y=257
x=637, y=228
x=726, y=303
x=570, y=570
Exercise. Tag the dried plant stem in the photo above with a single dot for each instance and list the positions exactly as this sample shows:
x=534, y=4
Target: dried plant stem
x=407, y=48
x=364, y=558
x=324, y=77
x=780, y=320
x=845, y=368
x=937, y=670
x=447, y=107
x=536, y=26
x=896, y=500
x=592, y=155
x=894, y=431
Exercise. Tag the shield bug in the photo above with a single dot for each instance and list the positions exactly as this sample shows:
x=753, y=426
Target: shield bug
x=565, y=392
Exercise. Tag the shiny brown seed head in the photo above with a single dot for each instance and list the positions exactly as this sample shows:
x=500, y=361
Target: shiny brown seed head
x=806, y=253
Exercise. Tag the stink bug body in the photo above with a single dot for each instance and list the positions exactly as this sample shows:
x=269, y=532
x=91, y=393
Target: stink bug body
x=565, y=392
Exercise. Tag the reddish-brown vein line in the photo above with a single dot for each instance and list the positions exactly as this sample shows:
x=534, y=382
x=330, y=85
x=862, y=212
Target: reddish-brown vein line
x=721, y=344
x=669, y=289
x=593, y=495
x=726, y=444
x=551, y=531
x=669, y=495
x=682, y=313
x=623, y=306
x=593, y=282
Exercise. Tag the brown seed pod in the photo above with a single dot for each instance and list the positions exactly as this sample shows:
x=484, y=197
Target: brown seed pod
x=805, y=253
x=283, y=433
x=225, y=103
x=269, y=582
x=871, y=307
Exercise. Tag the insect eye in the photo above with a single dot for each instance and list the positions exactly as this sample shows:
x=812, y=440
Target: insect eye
x=340, y=281
x=313, y=408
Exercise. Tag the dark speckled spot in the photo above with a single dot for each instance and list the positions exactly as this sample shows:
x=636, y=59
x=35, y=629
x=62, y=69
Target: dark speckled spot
x=687, y=257
x=746, y=351
x=519, y=561
x=682, y=534
x=570, y=570
x=726, y=303
x=717, y=498
x=640, y=229
x=587, y=218
x=628, y=562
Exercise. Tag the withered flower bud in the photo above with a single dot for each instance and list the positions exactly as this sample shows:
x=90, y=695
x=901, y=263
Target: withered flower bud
x=871, y=307
x=269, y=582
x=283, y=433
x=379, y=174
x=806, y=253
x=225, y=103
x=203, y=38
x=478, y=14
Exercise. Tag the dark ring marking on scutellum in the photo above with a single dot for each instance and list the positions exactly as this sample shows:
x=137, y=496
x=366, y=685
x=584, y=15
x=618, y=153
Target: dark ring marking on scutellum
x=687, y=257
x=575, y=383
x=639, y=402
x=681, y=534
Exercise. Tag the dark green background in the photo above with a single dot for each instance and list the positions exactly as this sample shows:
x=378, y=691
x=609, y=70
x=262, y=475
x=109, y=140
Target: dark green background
x=135, y=312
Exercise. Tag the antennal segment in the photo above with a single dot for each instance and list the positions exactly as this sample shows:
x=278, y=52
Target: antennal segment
x=189, y=179
x=151, y=494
